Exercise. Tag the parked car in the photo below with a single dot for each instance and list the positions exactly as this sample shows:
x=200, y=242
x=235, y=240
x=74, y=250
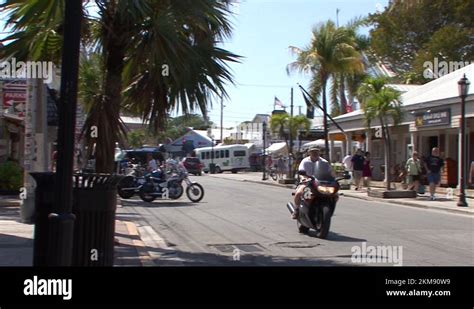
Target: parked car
x=193, y=165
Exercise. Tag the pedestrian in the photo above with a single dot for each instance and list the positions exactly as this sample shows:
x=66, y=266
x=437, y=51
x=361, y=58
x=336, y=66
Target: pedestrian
x=357, y=167
x=433, y=165
x=367, y=170
x=280, y=167
x=471, y=174
x=347, y=162
x=269, y=162
x=414, y=172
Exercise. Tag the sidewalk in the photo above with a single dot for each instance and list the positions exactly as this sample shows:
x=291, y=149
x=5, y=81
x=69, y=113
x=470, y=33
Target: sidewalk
x=442, y=203
x=16, y=238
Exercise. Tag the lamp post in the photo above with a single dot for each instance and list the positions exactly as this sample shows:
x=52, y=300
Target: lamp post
x=264, y=125
x=463, y=87
x=212, y=168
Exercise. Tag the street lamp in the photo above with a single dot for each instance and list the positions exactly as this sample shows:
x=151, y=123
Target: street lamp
x=264, y=125
x=212, y=167
x=463, y=87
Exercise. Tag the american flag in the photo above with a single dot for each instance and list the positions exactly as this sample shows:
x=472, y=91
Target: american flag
x=279, y=103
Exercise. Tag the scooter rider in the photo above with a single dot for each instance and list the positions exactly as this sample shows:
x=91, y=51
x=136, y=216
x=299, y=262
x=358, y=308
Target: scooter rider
x=312, y=165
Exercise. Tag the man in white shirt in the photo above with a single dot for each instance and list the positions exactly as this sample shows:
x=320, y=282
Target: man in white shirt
x=347, y=161
x=152, y=165
x=313, y=165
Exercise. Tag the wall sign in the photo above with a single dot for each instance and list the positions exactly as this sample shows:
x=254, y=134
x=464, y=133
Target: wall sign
x=434, y=118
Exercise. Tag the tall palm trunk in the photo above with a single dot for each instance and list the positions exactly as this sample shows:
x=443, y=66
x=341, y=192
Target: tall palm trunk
x=109, y=124
x=325, y=122
x=342, y=94
x=386, y=139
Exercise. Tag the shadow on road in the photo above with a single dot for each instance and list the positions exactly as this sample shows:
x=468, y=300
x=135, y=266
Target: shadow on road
x=158, y=203
x=338, y=237
x=172, y=257
x=332, y=236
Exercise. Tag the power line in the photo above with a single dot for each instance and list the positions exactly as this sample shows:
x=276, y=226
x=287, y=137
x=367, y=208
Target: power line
x=263, y=86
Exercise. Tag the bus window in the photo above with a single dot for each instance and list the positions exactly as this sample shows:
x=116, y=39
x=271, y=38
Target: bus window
x=239, y=153
x=217, y=154
x=227, y=153
x=222, y=154
x=202, y=155
x=207, y=154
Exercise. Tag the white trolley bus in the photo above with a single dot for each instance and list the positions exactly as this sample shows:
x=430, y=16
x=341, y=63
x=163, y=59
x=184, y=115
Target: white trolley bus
x=226, y=158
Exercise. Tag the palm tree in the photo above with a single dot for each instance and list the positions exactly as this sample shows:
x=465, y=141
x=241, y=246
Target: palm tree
x=196, y=66
x=279, y=124
x=350, y=78
x=178, y=32
x=284, y=125
x=332, y=50
x=381, y=102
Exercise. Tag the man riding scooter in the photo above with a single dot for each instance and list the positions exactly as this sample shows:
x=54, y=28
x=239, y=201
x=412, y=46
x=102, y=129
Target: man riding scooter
x=312, y=165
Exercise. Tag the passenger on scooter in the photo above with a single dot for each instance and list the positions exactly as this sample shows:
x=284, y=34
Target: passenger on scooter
x=312, y=165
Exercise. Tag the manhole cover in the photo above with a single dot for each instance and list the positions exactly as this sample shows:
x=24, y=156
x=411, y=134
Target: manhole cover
x=296, y=244
x=229, y=248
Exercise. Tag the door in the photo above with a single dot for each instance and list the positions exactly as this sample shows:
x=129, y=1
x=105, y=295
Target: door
x=432, y=142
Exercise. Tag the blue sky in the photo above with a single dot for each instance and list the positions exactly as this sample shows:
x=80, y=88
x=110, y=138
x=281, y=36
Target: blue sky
x=263, y=30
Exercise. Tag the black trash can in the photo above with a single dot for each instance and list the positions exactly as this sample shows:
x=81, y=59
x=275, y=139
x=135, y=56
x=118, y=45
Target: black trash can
x=212, y=168
x=94, y=205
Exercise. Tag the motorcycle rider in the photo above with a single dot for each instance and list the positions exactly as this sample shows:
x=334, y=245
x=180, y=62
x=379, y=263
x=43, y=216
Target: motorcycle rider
x=312, y=165
x=152, y=167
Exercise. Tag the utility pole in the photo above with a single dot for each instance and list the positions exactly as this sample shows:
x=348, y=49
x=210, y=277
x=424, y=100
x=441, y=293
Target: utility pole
x=222, y=119
x=61, y=219
x=290, y=152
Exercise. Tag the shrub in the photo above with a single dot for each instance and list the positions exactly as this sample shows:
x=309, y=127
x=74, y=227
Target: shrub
x=11, y=176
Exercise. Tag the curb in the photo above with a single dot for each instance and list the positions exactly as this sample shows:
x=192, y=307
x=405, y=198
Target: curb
x=366, y=198
x=410, y=204
x=268, y=183
x=10, y=204
x=145, y=258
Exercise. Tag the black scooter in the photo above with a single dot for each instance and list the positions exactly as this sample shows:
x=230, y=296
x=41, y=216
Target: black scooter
x=317, y=205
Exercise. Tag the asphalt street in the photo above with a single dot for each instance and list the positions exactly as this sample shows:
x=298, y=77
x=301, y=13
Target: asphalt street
x=253, y=218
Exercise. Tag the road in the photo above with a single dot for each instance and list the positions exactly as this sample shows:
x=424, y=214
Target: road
x=253, y=218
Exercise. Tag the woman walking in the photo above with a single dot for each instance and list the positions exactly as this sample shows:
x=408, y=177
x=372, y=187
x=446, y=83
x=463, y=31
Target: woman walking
x=366, y=170
x=413, y=167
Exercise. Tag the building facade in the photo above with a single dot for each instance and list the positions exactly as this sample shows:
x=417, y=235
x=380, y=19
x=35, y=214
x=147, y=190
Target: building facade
x=431, y=118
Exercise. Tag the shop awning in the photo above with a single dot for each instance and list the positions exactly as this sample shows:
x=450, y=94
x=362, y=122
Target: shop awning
x=277, y=148
x=320, y=143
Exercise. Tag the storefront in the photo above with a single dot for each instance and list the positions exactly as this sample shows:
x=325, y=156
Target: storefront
x=431, y=118
x=11, y=138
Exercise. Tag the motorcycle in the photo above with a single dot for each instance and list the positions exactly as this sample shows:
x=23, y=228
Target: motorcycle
x=170, y=186
x=131, y=184
x=317, y=205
